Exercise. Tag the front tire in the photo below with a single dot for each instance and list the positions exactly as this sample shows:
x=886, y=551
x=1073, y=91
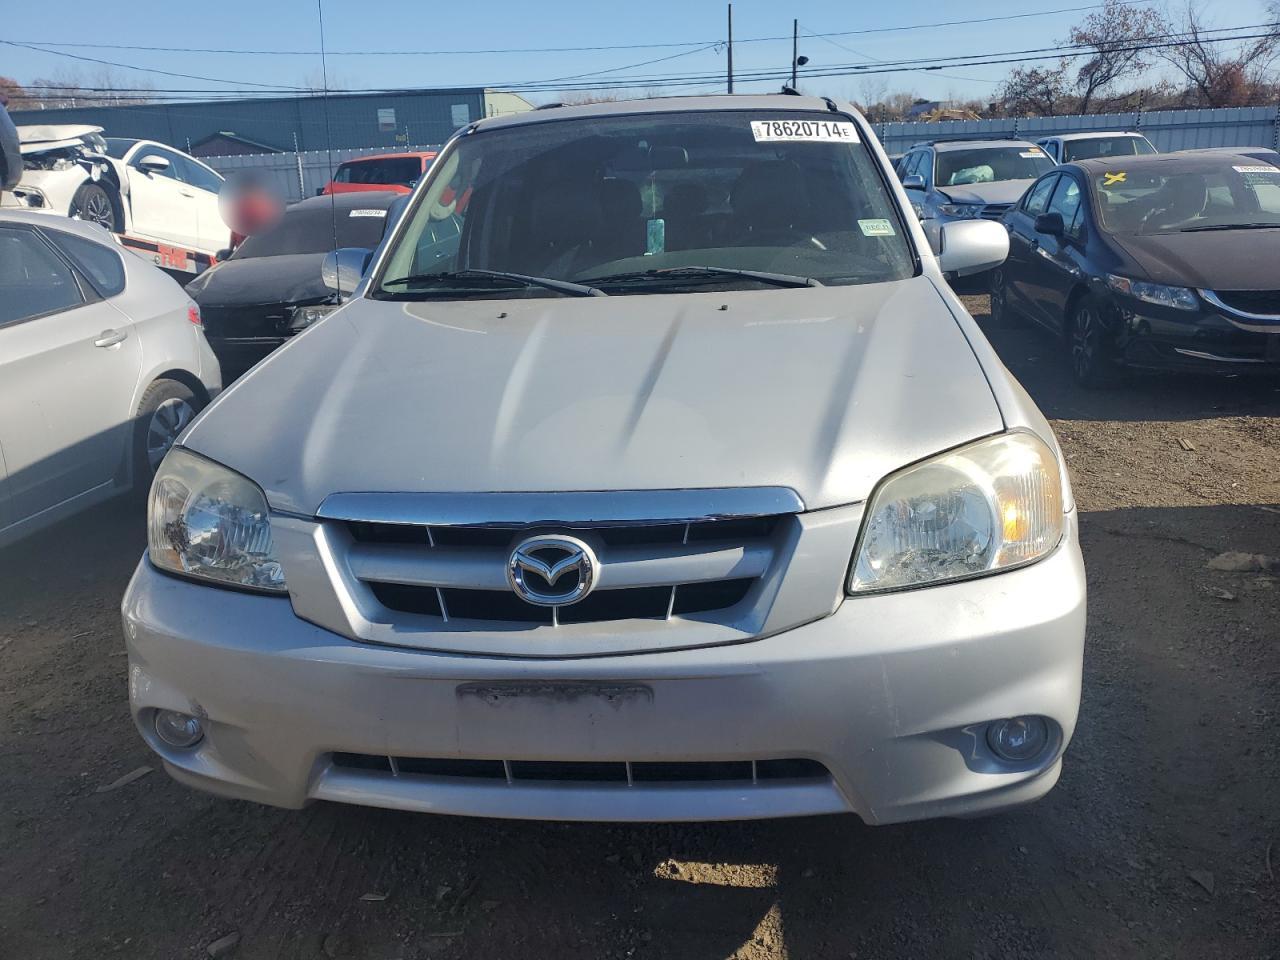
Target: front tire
x=1094, y=362
x=94, y=204
x=1001, y=313
x=166, y=408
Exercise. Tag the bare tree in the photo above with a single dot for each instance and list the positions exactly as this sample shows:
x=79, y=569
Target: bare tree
x=1036, y=91
x=1219, y=74
x=1115, y=34
x=102, y=87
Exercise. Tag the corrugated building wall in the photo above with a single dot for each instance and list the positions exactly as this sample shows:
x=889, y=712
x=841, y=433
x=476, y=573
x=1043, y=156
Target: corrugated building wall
x=386, y=121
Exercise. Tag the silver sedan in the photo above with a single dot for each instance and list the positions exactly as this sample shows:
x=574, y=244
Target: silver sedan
x=103, y=363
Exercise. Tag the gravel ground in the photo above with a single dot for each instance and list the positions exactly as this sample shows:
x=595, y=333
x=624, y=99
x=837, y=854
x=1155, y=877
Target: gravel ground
x=1162, y=838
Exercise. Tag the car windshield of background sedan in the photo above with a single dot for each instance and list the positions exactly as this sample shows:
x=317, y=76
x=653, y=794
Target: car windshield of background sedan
x=1105, y=147
x=1237, y=196
x=651, y=203
x=317, y=227
x=990, y=164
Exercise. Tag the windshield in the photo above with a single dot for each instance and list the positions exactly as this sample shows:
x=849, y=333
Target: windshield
x=400, y=171
x=118, y=146
x=990, y=164
x=1105, y=147
x=583, y=201
x=310, y=226
x=1170, y=200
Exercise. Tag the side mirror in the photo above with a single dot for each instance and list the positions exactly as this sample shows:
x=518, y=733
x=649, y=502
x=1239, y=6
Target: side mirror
x=153, y=163
x=319, y=191
x=1051, y=223
x=913, y=182
x=972, y=246
x=342, y=269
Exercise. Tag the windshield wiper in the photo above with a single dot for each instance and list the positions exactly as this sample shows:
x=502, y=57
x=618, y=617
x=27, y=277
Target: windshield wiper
x=777, y=279
x=1231, y=226
x=472, y=275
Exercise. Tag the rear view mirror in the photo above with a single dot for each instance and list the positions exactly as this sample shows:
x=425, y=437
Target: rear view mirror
x=343, y=268
x=153, y=163
x=1051, y=223
x=972, y=246
x=913, y=182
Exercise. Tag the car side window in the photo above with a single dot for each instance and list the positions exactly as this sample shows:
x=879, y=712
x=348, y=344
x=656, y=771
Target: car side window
x=1038, y=196
x=101, y=264
x=200, y=176
x=172, y=171
x=34, y=281
x=1066, y=200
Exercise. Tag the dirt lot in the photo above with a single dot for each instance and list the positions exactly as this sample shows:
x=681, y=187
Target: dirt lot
x=1162, y=839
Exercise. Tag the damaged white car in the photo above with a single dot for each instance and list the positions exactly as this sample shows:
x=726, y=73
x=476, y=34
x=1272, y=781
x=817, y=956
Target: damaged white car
x=161, y=202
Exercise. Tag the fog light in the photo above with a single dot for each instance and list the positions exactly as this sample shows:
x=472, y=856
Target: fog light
x=1018, y=739
x=178, y=729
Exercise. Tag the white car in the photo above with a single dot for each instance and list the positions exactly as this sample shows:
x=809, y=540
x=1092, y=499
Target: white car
x=1092, y=144
x=162, y=202
x=103, y=363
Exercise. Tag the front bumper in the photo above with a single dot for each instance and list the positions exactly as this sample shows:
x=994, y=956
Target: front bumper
x=1163, y=338
x=890, y=694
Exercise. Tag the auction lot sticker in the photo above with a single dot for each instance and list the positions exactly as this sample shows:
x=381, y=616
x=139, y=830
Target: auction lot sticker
x=810, y=131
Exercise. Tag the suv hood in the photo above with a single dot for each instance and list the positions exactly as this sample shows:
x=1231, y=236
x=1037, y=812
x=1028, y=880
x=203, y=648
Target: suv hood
x=1002, y=191
x=823, y=390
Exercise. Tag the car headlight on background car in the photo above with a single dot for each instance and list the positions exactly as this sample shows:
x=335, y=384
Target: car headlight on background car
x=207, y=521
x=961, y=211
x=1181, y=298
x=985, y=507
x=303, y=317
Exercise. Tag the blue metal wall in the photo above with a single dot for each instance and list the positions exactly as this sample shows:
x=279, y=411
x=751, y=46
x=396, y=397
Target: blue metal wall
x=1168, y=130
x=318, y=122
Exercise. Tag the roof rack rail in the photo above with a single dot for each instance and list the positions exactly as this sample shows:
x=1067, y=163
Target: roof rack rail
x=977, y=138
x=548, y=106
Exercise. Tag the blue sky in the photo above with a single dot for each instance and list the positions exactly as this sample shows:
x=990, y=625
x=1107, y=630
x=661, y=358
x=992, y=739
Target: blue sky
x=403, y=25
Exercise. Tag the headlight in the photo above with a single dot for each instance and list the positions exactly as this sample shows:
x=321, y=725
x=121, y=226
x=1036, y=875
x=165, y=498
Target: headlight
x=206, y=521
x=303, y=317
x=992, y=505
x=1180, y=298
x=961, y=211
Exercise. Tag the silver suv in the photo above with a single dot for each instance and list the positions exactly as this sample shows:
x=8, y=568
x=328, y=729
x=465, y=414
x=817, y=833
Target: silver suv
x=675, y=486
x=949, y=180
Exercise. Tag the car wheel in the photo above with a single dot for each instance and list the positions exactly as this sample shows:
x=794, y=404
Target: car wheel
x=1001, y=312
x=164, y=412
x=93, y=203
x=1093, y=359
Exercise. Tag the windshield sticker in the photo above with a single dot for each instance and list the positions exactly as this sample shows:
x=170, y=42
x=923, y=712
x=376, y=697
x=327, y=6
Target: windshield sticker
x=1257, y=169
x=810, y=131
x=1032, y=154
x=876, y=228
x=367, y=213
x=1111, y=179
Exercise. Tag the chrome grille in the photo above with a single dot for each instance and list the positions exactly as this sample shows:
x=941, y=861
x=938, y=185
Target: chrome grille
x=1253, y=302
x=648, y=571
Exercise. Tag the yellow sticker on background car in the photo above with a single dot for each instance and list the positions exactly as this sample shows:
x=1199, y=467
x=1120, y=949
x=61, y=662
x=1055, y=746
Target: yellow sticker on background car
x=1113, y=178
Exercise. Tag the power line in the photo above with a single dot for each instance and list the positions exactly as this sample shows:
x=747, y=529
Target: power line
x=126, y=66
x=760, y=74
x=583, y=49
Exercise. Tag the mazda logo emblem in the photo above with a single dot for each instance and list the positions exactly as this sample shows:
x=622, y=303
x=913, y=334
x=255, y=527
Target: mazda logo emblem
x=552, y=570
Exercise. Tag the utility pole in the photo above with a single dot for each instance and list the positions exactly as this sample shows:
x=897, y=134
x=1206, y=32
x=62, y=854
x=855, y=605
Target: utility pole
x=795, y=50
x=731, y=48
